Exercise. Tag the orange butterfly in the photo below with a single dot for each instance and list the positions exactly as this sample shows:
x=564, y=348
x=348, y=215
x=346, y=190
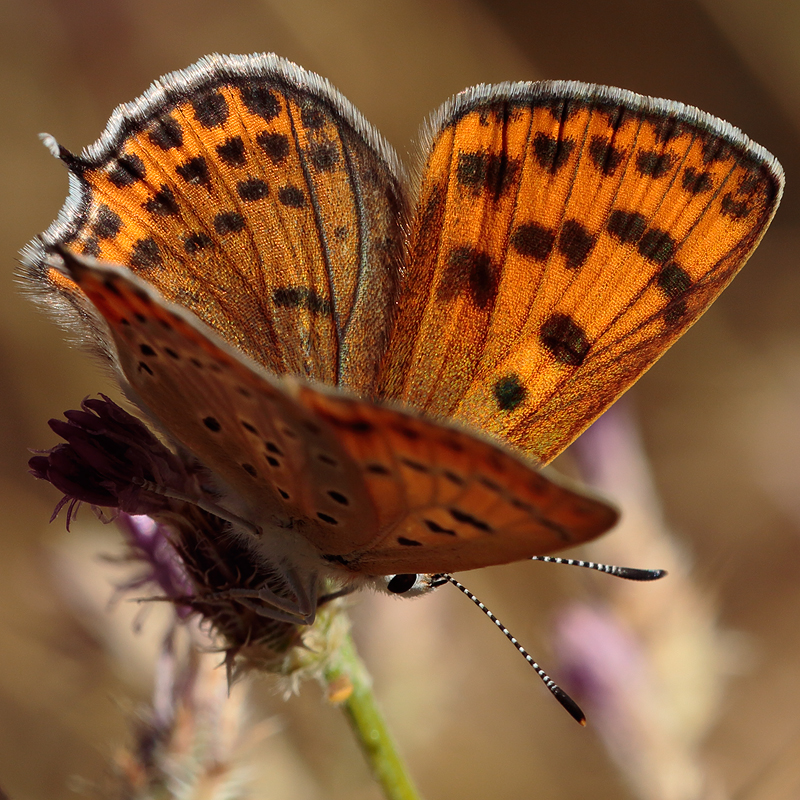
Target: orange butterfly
x=368, y=367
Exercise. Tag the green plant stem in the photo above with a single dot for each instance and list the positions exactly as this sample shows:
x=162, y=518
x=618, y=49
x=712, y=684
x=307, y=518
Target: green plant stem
x=368, y=724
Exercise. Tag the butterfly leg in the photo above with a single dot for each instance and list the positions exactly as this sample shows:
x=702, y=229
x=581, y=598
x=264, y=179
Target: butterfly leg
x=306, y=594
x=206, y=505
x=300, y=609
x=263, y=602
x=343, y=592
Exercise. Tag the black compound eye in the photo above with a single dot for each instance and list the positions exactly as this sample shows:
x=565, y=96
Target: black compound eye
x=400, y=584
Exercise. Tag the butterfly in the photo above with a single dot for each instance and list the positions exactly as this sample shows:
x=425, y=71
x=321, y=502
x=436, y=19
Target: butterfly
x=372, y=367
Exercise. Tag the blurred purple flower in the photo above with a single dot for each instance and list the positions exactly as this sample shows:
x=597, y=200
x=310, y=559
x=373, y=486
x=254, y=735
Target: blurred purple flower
x=601, y=659
x=149, y=542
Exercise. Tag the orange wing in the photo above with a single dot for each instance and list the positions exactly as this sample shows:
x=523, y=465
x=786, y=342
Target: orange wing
x=565, y=236
x=373, y=490
x=252, y=193
x=449, y=499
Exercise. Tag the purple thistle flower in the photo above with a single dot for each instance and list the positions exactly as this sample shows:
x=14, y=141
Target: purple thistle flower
x=111, y=459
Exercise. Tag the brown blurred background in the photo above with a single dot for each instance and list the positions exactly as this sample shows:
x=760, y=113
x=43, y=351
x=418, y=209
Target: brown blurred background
x=719, y=418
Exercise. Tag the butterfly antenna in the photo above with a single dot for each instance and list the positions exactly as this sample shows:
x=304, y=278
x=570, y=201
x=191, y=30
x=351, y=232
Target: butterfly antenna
x=569, y=704
x=629, y=573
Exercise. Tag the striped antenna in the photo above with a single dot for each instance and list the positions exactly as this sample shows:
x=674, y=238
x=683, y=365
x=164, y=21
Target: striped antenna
x=569, y=704
x=629, y=573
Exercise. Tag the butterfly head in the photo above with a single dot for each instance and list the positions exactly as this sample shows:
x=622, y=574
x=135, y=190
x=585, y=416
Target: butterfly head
x=409, y=584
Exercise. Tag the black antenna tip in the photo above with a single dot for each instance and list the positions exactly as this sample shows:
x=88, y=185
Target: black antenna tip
x=572, y=707
x=632, y=574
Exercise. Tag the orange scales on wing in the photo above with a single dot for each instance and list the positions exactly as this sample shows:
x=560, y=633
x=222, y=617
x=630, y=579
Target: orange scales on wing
x=559, y=247
x=246, y=205
x=564, y=236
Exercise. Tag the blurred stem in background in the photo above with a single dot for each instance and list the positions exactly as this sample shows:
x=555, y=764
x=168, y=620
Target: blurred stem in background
x=197, y=739
x=193, y=742
x=648, y=661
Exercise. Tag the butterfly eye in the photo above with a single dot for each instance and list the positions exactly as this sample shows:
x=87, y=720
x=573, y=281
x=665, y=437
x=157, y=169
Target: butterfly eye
x=400, y=584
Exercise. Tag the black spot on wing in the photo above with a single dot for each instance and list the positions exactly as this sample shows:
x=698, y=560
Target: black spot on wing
x=673, y=281
x=323, y=156
x=162, y=203
x=533, y=240
x=470, y=272
x=252, y=189
x=259, y=100
x=196, y=241
x=653, y=164
x=735, y=209
x=481, y=171
x=377, y=469
x=228, y=222
x=300, y=297
x=605, y=156
x=275, y=145
x=575, y=243
x=108, y=223
x=210, y=109
x=657, y=245
x=338, y=497
x=696, y=181
x=232, y=151
x=667, y=128
x=509, y=392
x=454, y=478
x=91, y=247
x=166, y=133
x=292, y=196
x=146, y=255
x=127, y=170
x=407, y=433
x=311, y=115
x=435, y=527
x=565, y=339
x=626, y=226
x=467, y=519
x=552, y=153
x=195, y=171
x=417, y=466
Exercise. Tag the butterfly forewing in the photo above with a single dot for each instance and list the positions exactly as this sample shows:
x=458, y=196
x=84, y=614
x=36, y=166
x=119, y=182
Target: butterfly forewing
x=565, y=236
x=252, y=193
x=280, y=461
x=373, y=489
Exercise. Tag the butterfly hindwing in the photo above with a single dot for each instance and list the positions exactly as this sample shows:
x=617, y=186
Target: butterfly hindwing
x=449, y=499
x=565, y=235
